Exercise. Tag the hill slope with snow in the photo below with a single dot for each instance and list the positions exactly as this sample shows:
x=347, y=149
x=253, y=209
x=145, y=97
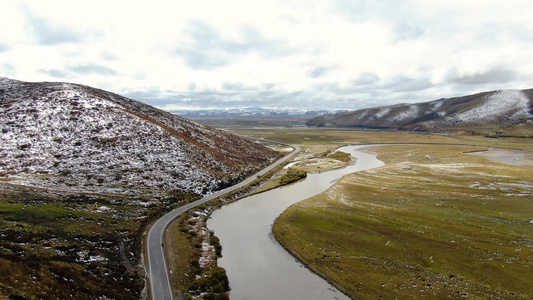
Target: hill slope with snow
x=77, y=138
x=496, y=108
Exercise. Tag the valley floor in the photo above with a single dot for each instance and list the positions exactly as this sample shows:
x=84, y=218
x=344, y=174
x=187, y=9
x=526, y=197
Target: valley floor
x=434, y=222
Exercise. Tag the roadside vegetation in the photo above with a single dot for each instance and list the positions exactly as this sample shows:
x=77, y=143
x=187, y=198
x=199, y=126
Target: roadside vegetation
x=72, y=246
x=194, y=272
x=433, y=222
x=193, y=259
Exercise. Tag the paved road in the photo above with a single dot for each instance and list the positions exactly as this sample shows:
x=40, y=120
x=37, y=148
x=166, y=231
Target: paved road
x=157, y=270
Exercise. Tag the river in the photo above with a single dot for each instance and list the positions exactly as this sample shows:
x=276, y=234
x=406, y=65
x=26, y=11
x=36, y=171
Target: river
x=256, y=265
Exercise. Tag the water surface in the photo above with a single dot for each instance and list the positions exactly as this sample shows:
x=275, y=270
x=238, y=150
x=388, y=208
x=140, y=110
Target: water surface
x=256, y=265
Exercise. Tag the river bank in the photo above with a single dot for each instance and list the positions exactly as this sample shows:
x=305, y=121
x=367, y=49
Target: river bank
x=408, y=229
x=257, y=267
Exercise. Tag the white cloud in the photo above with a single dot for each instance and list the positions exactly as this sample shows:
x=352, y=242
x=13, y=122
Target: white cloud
x=321, y=54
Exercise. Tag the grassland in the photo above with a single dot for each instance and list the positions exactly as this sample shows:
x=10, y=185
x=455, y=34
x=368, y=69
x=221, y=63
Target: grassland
x=188, y=233
x=53, y=244
x=434, y=222
x=323, y=139
x=63, y=246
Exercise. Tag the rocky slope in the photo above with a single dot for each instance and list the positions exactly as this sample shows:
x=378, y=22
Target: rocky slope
x=72, y=137
x=496, y=108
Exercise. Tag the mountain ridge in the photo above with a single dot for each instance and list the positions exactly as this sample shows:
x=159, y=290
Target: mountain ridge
x=501, y=108
x=250, y=113
x=74, y=137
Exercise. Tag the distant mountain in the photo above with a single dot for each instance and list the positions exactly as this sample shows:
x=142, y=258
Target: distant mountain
x=250, y=113
x=496, y=108
x=77, y=138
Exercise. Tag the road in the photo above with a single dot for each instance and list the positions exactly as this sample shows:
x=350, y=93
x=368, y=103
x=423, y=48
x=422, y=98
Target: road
x=157, y=267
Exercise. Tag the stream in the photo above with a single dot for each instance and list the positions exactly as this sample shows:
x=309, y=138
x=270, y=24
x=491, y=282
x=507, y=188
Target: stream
x=256, y=265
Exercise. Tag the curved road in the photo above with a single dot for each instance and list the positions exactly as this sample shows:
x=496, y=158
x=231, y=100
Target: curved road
x=157, y=270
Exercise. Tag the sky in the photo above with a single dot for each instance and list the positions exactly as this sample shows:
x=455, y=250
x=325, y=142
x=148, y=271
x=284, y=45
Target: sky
x=313, y=55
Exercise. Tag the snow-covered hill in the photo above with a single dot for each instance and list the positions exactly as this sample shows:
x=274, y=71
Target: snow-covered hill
x=77, y=138
x=499, y=108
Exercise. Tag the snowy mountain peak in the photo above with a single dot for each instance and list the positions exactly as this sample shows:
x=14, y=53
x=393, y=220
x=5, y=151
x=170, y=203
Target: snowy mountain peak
x=77, y=138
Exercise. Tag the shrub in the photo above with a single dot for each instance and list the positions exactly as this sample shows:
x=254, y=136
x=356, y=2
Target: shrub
x=292, y=175
x=342, y=156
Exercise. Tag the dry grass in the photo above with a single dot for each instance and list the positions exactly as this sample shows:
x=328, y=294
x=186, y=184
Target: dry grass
x=433, y=223
x=327, y=138
x=62, y=249
x=194, y=273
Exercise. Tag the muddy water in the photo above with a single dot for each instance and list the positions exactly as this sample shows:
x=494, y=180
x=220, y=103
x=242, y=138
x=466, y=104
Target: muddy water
x=256, y=265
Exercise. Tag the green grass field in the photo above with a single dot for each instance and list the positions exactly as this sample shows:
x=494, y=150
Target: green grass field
x=433, y=223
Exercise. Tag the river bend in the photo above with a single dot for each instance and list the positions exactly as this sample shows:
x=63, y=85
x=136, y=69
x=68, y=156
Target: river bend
x=256, y=265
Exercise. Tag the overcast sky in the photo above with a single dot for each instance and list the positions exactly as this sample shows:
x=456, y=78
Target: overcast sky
x=343, y=54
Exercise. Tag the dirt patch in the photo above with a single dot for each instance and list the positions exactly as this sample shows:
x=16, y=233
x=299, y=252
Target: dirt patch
x=508, y=156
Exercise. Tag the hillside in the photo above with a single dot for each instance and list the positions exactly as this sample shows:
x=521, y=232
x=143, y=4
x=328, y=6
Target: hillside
x=71, y=137
x=493, y=109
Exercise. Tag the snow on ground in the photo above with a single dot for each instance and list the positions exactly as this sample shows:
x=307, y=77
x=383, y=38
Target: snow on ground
x=75, y=138
x=435, y=105
x=361, y=115
x=511, y=103
x=94, y=141
x=382, y=112
x=410, y=113
x=289, y=165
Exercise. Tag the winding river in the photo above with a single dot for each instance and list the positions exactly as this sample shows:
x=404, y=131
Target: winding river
x=256, y=265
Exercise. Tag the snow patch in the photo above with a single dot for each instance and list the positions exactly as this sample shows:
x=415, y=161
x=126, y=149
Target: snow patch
x=512, y=104
x=409, y=114
x=435, y=105
x=382, y=112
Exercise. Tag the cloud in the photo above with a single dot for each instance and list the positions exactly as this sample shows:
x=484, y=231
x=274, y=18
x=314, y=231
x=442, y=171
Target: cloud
x=370, y=87
x=366, y=79
x=319, y=71
x=3, y=47
x=7, y=69
x=232, y=86
x=402, y=83
x=254, y=41
x=230, y=95
x=148, y=94
x=331, y=54
x=204, y=48
x=363, y=10
x=498, y=74
x=108, y=56
x=55, y=73
x=405, y=31
x=48, y=33
x=92, y=68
